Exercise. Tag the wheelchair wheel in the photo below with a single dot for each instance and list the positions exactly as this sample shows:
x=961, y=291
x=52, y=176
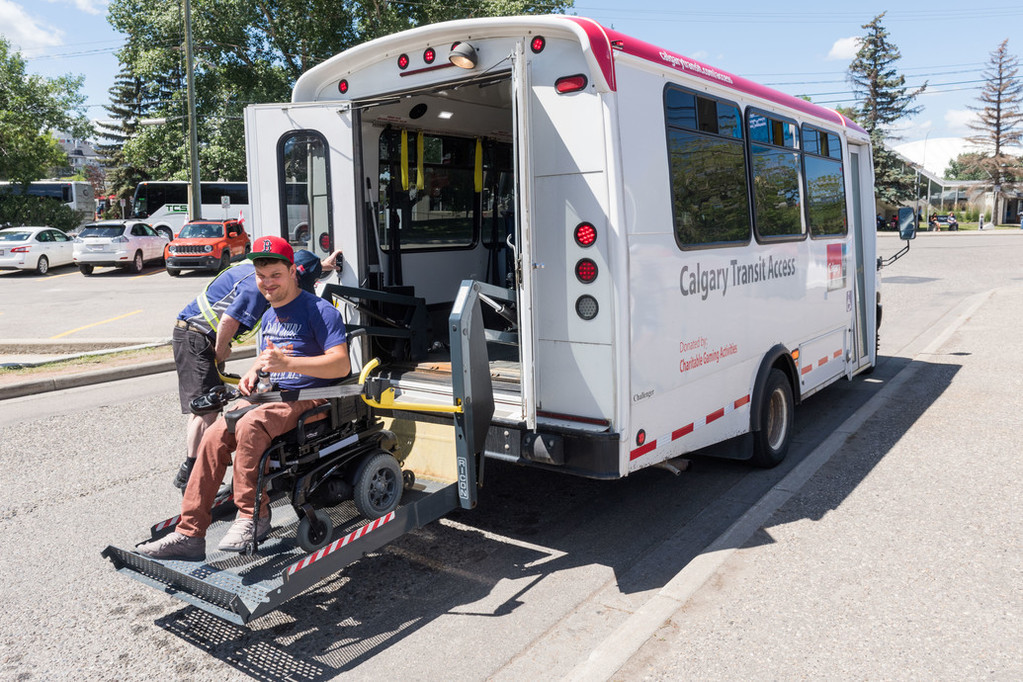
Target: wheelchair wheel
x=314, y=533
x=378, y=485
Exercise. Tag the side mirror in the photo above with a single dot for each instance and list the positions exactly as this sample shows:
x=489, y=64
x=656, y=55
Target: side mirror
x=907, y=223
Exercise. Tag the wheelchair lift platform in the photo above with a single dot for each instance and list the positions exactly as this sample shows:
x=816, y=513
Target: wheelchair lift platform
x=241, y=588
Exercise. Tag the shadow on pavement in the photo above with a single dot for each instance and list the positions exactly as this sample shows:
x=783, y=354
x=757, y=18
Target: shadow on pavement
x=530, y=525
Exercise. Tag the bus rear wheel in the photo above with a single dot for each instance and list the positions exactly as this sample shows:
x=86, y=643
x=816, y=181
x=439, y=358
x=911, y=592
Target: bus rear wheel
x=777, y=411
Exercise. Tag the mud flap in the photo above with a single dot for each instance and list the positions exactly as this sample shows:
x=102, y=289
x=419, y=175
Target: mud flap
x=471, y=386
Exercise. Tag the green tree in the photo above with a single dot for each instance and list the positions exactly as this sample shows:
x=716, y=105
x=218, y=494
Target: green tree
x=999, y=127
x=883, y=100
x=963, y=167
x=249, y=51
x=31, y=107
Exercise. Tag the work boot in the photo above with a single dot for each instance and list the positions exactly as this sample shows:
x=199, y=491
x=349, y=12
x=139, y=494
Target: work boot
x=184, y=471
x=240, y=534
x=175, y=546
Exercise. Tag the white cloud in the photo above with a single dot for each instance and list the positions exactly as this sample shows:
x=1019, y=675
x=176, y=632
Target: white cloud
x=87, y=6
x=957, y=120
x=845, y=48
x=24, y=31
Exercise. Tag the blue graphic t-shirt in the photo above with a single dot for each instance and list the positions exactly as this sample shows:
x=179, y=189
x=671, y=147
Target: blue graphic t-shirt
x=308, y=326
x=233, y=292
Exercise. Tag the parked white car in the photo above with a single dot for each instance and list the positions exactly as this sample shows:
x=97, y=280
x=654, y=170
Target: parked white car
x=34, y=248
x=127, y=244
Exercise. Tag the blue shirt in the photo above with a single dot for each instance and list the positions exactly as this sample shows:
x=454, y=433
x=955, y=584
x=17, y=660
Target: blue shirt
x=306, y=327
x=233, y=292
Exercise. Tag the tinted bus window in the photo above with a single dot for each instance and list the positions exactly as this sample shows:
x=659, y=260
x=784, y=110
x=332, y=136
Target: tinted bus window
x=775, y=163
x=825, y=182
x=710, y=198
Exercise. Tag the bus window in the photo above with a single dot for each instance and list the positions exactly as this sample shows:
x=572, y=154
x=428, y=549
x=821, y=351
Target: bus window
x=441, y=211
x=825, y=187
x=775, y=163
x=707, y=161
x=304, y=190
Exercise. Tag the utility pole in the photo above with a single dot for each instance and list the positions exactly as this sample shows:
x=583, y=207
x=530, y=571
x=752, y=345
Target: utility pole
x=195, y=207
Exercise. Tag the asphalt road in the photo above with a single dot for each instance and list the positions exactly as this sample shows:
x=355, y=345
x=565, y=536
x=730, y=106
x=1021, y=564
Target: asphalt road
x=530, y=584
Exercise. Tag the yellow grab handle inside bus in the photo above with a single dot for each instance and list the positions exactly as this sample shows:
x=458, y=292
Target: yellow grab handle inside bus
x=388, y=402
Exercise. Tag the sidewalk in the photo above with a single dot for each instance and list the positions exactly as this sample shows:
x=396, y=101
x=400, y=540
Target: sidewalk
x=900, y=558
x=41, y=353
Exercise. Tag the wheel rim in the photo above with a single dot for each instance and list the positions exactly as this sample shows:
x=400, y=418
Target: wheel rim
x=43, y=266
x=138, y=261
x=382, y=488
x=777, y=419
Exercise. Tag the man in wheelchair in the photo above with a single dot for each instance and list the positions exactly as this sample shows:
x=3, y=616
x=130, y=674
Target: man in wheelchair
x=302, y=344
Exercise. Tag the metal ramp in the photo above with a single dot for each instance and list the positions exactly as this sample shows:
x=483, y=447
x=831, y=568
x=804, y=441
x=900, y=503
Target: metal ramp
x=240, y=588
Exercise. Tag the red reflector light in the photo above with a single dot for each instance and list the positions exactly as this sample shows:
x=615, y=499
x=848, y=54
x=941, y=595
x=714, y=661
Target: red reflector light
x=585, y=234
x=342, y=87
x=570, y=83
x=641, y=437
x=403, y=62
x=538, y=44
x=429, y=55
x=325, y=242
x=586, y=270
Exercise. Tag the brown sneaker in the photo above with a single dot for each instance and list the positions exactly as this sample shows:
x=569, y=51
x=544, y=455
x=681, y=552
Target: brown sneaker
x=240, y=534
x=175, y=546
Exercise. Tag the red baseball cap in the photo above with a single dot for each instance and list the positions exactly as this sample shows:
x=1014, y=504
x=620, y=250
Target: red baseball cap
x=272, y=247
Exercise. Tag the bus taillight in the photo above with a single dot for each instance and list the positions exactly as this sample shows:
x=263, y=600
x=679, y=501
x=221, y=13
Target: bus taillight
x=325, y=242
x=403, y=62
x=585, y=234
x=586, y=270
x=342, y=87
x=429, y=55
x=538, y=44
x=567, y=84
x=586, y=307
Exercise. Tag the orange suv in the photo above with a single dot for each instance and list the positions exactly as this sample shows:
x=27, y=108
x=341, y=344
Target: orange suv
x=206, y=245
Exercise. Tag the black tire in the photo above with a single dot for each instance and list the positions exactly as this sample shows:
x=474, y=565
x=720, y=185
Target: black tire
x=316, y=532
x=777, y=411
x=377, y=485
x=225, y=260
x=173, y=272
x=42, y=265
x=135, y=267
x=85, y=269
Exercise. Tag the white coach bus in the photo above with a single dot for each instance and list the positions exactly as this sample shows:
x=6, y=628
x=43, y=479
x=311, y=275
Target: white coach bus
x=687, y=255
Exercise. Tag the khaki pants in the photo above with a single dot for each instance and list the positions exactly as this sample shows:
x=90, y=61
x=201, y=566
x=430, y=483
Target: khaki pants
x=252, y=436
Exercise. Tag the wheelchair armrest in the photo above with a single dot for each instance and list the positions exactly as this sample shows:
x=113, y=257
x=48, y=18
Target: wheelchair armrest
x=233, y=416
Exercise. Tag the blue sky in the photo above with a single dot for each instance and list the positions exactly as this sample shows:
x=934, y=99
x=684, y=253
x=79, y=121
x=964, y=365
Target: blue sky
x=797, y=46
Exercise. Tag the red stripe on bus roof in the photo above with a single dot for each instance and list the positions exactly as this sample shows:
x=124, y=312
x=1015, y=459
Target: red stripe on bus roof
x=602, y=38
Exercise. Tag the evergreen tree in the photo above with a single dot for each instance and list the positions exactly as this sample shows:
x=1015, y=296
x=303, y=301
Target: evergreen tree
x=883, y=99
x=963, y=168
x=127, y=106
x=999, y=127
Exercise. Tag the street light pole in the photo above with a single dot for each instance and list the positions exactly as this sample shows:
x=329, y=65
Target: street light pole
x=195, y=207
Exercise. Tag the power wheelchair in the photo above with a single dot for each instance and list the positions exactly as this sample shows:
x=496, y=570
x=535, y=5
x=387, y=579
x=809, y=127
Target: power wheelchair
x=338, y=451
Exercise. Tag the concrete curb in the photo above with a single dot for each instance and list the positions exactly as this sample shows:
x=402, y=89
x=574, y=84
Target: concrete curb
x=59, y=383
x=622, y=644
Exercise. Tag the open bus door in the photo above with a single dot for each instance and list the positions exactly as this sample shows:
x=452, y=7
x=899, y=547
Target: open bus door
x=524, y=264
x=301, y=175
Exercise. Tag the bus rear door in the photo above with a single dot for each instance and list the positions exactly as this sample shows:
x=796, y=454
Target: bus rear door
x=301, y=175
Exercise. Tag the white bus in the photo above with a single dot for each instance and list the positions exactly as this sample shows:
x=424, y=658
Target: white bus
x=688, y=254
x=164, y=204
x=75, y=194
